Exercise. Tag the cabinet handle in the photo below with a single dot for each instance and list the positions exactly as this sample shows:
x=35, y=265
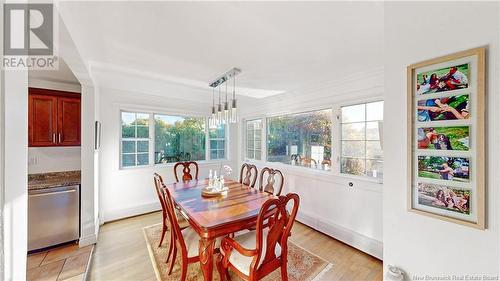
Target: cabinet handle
x=59, y=137
x=54, y=138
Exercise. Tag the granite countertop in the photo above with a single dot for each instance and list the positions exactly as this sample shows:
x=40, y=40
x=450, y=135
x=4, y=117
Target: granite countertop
x=56, y=179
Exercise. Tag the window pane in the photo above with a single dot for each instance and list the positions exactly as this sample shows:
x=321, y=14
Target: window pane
x=142, y=146
x=373, y=149
x=128, y=146
x=304, y=137
x=128, y=127
x=250, y=154
x=128, y=160
x=142, y=131
x=221, y=154
x=353, y=148
x=353, y=166
x=143, y=159
x=179, y=139
x=213, y=154
x=373, y=130
x=258, y=155
x=354, y=131
x=374, y=168
x=253, y=140
x=375, y=111
x=353, y=113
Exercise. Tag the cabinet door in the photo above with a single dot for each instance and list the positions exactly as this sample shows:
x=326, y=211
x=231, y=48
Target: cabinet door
x=69, y=121
x=42, y=123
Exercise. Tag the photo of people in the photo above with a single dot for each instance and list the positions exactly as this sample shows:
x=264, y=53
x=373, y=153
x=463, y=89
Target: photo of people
x=444, y=168
x=444, y=79
x=447, y=108
x=444, y=197
x=444, y=138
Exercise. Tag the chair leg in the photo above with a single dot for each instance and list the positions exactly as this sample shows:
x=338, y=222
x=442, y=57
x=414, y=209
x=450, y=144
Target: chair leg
x=170, y=248
x=223, y=271
x=173, y=260
x=163, y=231
x=284, y=272
x=184, y=271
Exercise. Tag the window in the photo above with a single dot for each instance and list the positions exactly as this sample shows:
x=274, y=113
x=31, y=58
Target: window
x=135, y=139
x=303, y=139
x=217, y=142
x=361, y=142
x=179, y=139
x=254, y=139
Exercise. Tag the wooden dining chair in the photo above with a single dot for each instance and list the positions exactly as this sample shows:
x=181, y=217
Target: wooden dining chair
x=186, y=170
x=255, y=254
x=268, y=186
x=248, y=174
x=159, y=185
x=187, y=239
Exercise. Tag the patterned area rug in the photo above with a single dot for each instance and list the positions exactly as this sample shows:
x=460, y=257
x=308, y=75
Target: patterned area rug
x=302, y=265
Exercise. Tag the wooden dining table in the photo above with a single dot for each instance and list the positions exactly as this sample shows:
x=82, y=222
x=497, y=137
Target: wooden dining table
x=218, y=216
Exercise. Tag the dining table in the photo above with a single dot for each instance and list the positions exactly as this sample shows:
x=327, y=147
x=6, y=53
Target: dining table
x=212, y=217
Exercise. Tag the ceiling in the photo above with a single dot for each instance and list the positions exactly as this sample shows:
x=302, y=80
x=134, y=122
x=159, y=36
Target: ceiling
x=62, y=75
x=280, y=46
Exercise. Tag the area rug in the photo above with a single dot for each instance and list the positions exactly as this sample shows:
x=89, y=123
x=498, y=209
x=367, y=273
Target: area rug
x=302, y=265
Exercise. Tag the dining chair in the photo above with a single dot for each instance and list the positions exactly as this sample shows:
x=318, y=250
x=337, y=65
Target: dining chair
x=159, y=184
x=268, y=186
x=248, y=174
x=186, y=170
x=255, y=254
x=187, y=239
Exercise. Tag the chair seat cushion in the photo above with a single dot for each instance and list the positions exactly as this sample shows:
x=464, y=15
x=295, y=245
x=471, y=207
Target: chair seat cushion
x=248, y=241
x=192, y=240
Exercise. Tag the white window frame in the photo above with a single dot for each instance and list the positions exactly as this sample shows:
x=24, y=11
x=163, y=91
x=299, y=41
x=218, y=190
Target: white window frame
x=337, y=144
x=313, y=109
x=134, y=139
x=154, y=111
x=209, y=150
x=262, y=139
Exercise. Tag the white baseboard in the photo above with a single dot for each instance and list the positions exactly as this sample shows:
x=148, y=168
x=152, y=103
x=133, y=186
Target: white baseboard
x=359, y=241
x=88, y=240
x=130, y=212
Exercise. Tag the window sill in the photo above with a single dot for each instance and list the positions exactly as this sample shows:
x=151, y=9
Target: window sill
x=361, y=182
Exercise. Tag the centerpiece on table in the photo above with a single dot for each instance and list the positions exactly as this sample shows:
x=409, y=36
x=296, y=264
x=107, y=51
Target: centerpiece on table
x=216, y=183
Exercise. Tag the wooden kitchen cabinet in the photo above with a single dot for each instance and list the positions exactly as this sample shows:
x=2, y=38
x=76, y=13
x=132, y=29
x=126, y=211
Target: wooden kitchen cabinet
x=54, y=118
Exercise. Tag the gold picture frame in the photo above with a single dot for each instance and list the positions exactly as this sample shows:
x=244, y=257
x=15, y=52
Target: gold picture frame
x=447, y=92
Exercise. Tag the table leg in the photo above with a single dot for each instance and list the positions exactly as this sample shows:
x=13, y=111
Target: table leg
x=207, y=257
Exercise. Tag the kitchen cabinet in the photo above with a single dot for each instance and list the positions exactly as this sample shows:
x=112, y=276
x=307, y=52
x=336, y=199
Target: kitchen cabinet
x=54, y=118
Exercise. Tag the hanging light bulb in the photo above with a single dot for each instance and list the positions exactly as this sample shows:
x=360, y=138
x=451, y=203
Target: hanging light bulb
x=219, y=111
x=226, y=109
x=234, y=111
x=213, y=116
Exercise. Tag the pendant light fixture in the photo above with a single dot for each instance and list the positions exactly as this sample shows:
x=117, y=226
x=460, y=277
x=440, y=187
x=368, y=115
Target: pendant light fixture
x=219, y=111
x=234, y=111
x=227, y=113
x=226, y=109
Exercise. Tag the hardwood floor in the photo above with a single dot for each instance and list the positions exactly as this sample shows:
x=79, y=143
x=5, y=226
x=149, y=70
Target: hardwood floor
x=121, y=253
x=67, y=263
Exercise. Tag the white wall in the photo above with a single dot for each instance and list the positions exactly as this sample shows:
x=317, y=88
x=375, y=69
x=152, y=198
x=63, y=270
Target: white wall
x=130, y=191
x=352, y=215
x=53, y=159
x=418, y=244
x=15, y=171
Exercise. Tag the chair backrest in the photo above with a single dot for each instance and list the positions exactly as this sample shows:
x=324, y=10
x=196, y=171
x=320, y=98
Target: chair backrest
x=248, y=174
x=186, y=170
x=268, y=185
x=274, y=216
x=158, y=180
x=172, y=217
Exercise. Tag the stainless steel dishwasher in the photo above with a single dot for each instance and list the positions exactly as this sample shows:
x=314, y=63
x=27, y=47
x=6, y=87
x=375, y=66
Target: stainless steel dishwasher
x=53, y=216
